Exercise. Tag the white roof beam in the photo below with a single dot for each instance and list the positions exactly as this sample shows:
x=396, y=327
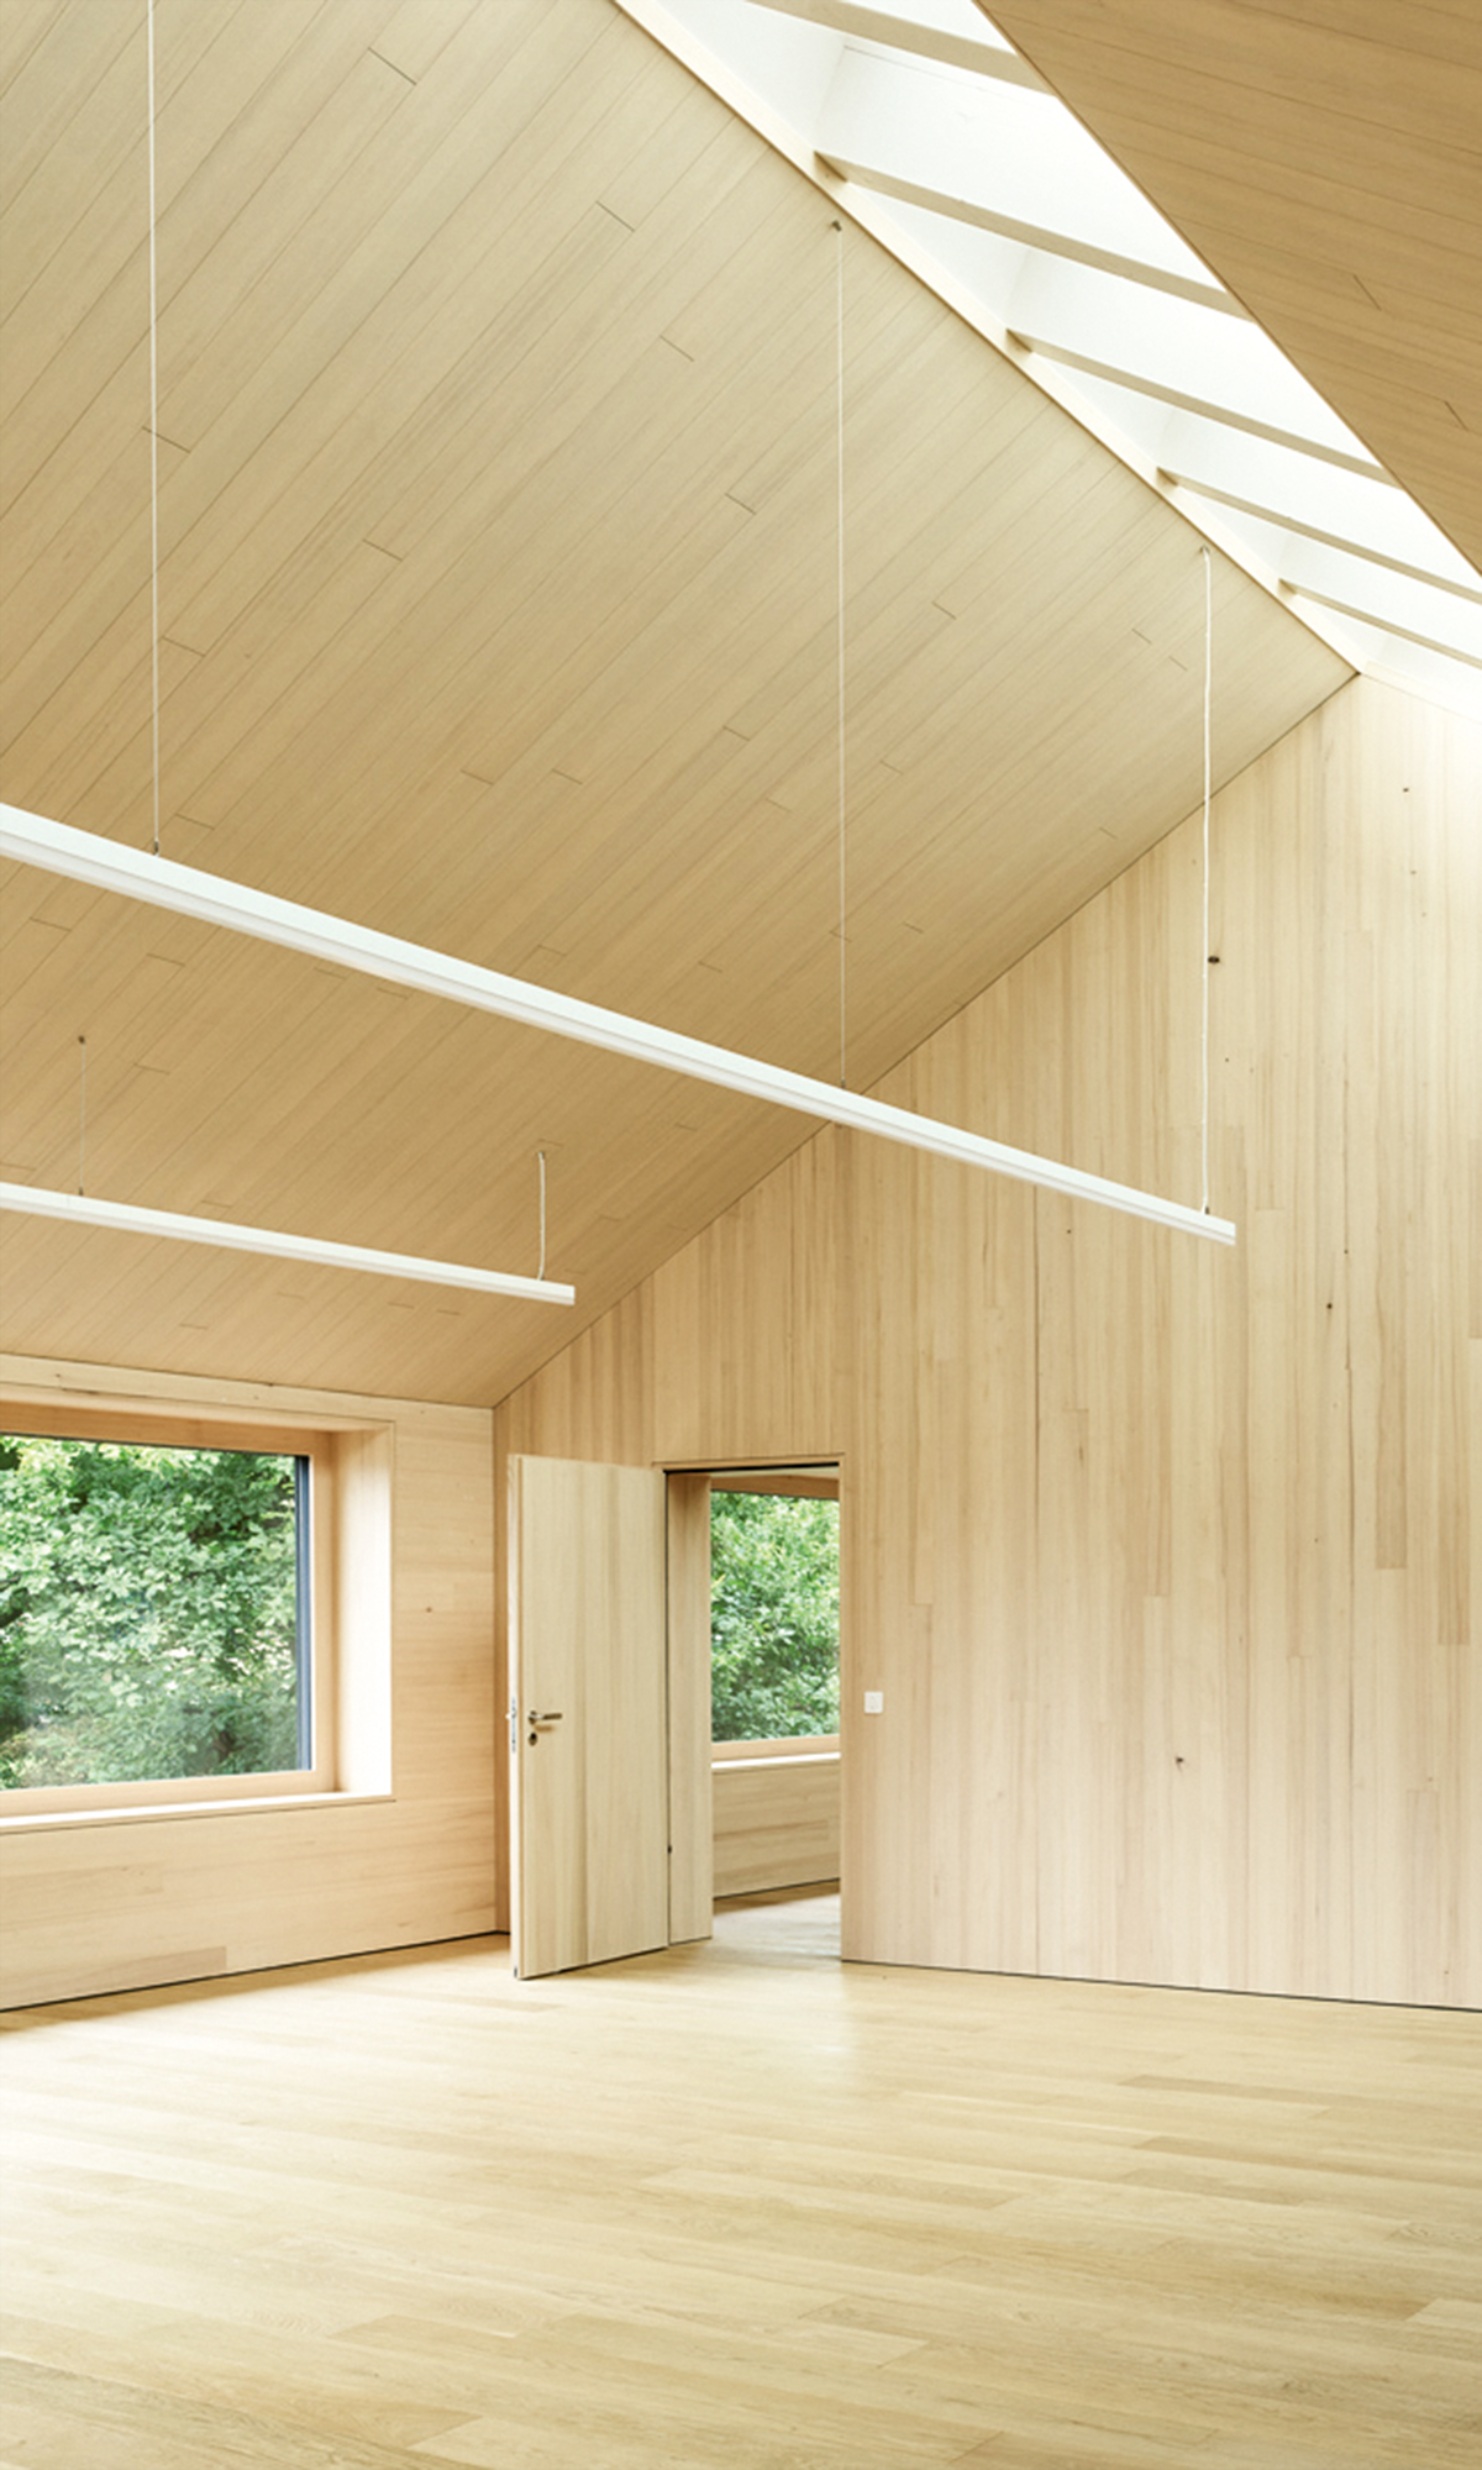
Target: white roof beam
x=928, y=42
x=1339, y=576
x=1382, y=623
x=1293, y=489
x=1056, y=241
x=1349, y=543
x=997, y=151
x=1173, y=345
x=1230, y=414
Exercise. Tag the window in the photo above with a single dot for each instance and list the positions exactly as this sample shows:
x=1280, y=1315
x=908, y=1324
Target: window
x=774, y=1616
x=164, y=1591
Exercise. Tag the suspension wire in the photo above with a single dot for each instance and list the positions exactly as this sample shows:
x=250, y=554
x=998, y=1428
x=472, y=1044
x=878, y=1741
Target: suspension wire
x=839, y=638
x=540, y=1154
x=154, y=448
x=81, y=1117
x=1208, y=792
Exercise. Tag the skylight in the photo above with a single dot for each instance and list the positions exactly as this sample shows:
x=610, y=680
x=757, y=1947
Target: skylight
x=949, y=148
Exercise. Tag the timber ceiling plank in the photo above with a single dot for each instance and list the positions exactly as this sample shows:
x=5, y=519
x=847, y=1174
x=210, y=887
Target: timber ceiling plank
x=498, y=600
x=1326, y=161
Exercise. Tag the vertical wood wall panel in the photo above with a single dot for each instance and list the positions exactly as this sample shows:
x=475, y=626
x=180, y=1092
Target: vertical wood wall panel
x=1166, y=1559
x=776, y=1824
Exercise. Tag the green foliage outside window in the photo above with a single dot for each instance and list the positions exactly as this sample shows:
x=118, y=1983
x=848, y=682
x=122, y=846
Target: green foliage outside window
x=148, y=1612
x=774, y=1616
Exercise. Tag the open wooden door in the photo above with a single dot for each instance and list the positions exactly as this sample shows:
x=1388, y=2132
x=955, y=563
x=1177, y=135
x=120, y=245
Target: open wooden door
x=590, y=1734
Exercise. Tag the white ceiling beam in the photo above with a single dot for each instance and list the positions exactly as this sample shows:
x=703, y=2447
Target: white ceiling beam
x=85, y=857
x=1363, y=507
x=1229, y=415
x=955, y=51
x=1350, y=544
x=1383, y=625
x=1174, y=347
x=1056, y=242
x=1007, y=153
x=123, y=1217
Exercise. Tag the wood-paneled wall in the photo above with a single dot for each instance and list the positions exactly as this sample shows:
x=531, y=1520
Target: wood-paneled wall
x=776, y=1823
x=1168, y=1560
x=131, y=1902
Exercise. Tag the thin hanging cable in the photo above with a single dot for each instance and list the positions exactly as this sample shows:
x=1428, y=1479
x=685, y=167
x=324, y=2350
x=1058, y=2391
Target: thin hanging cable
x=540, y=1154
x=1208, y=790
x=81, y=1118
x=839, y=634
x=154, y=450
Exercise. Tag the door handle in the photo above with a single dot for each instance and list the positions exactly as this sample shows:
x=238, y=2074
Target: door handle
x=545, y=1719
x=542, y=1723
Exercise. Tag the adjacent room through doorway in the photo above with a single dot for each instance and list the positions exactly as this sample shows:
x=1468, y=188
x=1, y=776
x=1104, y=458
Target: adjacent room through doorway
x=775, y=1744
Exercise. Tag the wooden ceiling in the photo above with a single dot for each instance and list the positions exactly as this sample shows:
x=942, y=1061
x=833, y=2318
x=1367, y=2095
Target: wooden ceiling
x=497, y=366
x=1325, y=158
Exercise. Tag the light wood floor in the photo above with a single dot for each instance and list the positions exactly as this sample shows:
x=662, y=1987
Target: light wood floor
x=739, y=2206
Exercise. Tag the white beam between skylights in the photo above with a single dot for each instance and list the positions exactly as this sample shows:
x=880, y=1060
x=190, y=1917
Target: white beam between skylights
x=924, y=36
x=1014, y=154
x=1352, y=547
x=1056, y=243
x=1343, y=510
x=1231, y=415
x=1387, y=624
x=84, y=857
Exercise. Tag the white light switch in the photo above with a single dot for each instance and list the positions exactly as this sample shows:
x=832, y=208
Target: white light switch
x=874, y=1702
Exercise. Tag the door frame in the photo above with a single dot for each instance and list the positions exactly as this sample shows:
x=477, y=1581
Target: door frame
x=691, y=1795
x=691, y=1835
x=804, y=1464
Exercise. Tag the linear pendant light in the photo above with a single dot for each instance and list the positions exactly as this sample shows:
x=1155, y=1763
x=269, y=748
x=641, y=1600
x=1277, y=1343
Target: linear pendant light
x=82, y=1210
x=34, y=840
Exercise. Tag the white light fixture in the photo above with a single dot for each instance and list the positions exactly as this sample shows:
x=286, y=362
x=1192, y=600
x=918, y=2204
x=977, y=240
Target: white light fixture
x=80, y=1209
x=33, y=840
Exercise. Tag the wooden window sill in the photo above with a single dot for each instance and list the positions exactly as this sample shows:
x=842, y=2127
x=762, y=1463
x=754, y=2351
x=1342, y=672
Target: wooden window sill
x=34, y=1821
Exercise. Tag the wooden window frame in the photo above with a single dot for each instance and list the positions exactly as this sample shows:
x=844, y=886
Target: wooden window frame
x=196, y=1427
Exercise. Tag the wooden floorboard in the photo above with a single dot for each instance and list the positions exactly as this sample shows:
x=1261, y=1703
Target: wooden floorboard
x=738, y=2205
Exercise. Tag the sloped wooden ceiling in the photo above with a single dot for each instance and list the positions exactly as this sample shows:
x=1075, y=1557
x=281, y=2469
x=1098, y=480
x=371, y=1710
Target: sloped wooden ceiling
x=498, y=589
x=1325, y=158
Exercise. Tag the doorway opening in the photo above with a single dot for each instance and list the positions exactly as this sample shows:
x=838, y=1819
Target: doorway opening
x=775, y=1761
x=620, y=1795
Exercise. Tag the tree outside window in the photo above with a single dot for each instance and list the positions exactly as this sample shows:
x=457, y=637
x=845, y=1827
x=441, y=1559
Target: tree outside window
x=151, y=1623
x=774, y=1616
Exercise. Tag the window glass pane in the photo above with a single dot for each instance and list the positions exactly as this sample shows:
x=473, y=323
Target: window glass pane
x=774, y=1616
x=151, y=1621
